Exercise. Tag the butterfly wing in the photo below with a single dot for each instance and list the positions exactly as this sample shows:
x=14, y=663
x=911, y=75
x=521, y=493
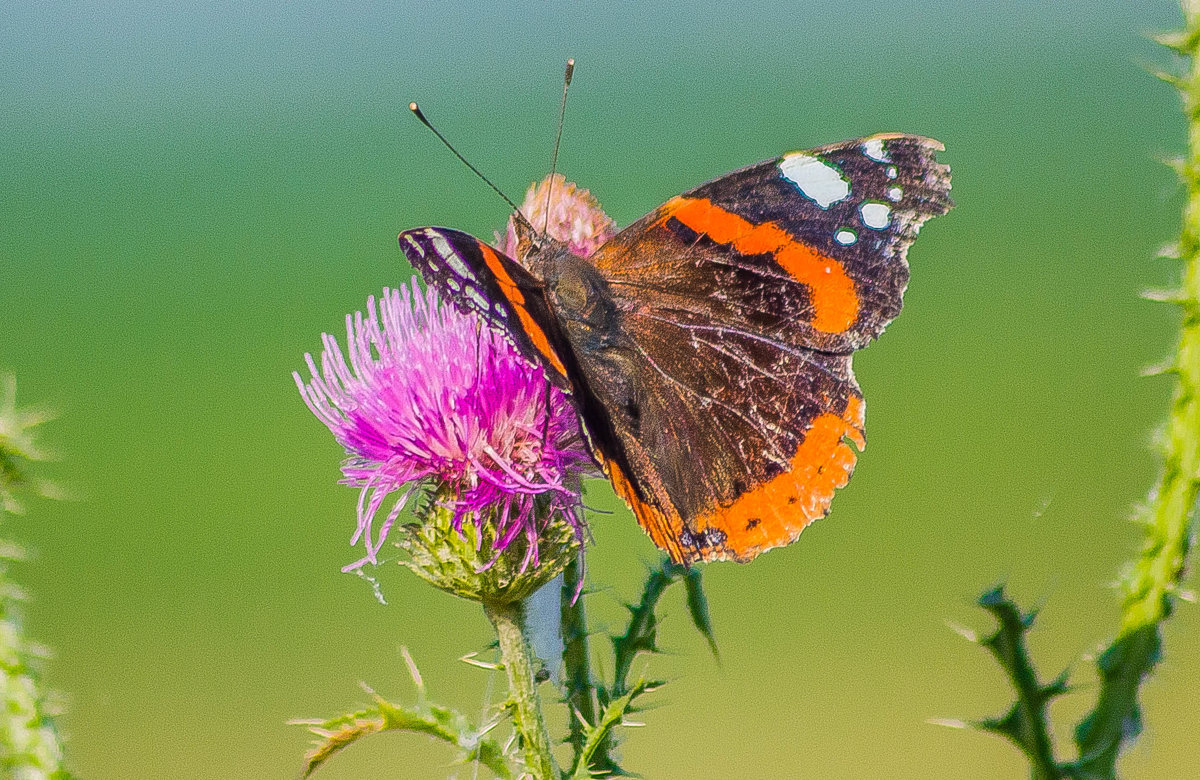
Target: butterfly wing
x=475, y=277
x=809, y=248
x=730, y=394
x=727, y=445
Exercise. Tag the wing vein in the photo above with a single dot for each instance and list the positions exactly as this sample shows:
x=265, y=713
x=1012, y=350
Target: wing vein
x=682, y=388
x=796, y=352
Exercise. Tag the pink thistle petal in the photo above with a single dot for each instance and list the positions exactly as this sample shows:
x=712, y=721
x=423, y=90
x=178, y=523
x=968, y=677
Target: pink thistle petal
x=425, y=396
x=574, y=217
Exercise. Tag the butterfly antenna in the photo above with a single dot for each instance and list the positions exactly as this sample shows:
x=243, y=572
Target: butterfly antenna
x=413, y=107
x=562, y=112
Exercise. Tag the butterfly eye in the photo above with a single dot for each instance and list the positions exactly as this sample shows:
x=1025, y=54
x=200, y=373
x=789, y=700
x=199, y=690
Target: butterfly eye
x=572, y=292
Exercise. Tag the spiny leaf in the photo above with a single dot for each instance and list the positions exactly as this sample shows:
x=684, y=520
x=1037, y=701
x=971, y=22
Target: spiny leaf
x=1180, y=167
x=30, y=745
x=1175, y=296
x=338, y=733
x=1170, y=78
x=697, y=603
x=641, y=636
x=641, y=632
x=1170, y=250
x=580, y=695
x=1025, y=723
x=1116, y=719
x=1179, y=41
x=1059, y=686
x=601, y=733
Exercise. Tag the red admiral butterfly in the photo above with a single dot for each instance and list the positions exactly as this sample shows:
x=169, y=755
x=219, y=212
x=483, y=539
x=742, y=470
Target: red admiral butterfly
x=707, y=346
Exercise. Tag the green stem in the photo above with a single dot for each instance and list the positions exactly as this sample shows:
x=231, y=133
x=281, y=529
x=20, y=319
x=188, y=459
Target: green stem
x=641, y=633
x=581, y=694
x=1026, y=723
x=640, y=636
x=1152, y=589
x=1153, y=585
x=509, y=622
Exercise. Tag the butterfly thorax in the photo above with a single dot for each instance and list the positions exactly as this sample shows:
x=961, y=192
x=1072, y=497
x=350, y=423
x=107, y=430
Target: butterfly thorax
x=574, y=290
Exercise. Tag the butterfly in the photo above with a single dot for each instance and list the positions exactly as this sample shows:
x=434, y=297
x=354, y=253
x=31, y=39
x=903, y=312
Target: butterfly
x=707, y=347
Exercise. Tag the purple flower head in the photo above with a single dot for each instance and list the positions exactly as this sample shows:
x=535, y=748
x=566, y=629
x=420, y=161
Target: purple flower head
x=427, y=399
x=575, y=217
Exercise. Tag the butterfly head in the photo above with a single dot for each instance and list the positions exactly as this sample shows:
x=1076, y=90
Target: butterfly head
x=528, y=245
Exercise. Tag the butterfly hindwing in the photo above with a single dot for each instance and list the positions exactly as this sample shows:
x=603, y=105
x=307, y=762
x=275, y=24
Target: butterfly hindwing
x=729, y=444
x=740, y=303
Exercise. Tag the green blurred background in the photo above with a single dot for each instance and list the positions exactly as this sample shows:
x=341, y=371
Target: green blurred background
x=191, y=193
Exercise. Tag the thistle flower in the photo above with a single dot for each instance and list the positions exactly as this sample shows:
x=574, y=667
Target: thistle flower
x=573, y=216
x=429, y=401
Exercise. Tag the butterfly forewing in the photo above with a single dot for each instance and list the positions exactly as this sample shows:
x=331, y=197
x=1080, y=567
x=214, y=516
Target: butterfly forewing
x=808, y=249
x=475, y=277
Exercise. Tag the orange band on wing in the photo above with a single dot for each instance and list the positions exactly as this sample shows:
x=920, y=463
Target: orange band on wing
x=834, y=300
x=652, y=520
x=774, y=513
x=513, y=294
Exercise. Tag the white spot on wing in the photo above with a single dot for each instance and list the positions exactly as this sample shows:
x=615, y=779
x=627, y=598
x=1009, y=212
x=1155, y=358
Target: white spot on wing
x=447, y=253
x=816, y=179
x=845, y=237
x=459, y=267
x=873, y=148
x=440, y=244
x=895, y=194
x=892, y=172
x=416, y=245
x=876, y=216
x=477, y=298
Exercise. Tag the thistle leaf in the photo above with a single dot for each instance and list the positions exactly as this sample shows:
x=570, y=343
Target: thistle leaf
x=641, y=636
x=336, y=734
x=601, y=733
x=697, y=603
x=1025, y=723
x=1117, y=718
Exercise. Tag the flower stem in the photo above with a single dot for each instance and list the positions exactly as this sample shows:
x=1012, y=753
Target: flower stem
x=509, y=622
x=581, y=692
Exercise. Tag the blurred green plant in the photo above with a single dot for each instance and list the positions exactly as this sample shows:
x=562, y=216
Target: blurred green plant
x=1153, y=581
x=30, y=748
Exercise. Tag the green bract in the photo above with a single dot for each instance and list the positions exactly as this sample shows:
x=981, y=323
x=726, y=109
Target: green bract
x=466, y=563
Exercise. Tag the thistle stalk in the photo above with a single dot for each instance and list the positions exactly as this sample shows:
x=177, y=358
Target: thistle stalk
x=580, y=689
x=1154, y=581
x=508, y=618
x=1155, y=578
x=1151, y=590
x=30, y=746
